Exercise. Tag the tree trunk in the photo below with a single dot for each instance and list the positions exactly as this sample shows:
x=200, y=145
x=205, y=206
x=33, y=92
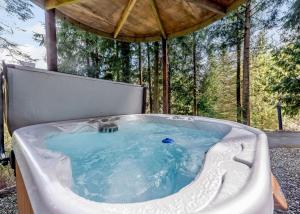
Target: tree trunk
x=169, y=90
x=140, y=65
x=125, y=52
x=238, y=83
x=156, y=78
x=90, y=72
x=246, y=65
x=89, y=57
x=194, y=76
x=88, y=63
x=117, y=59
x=97, y=62
x=149, y=79
x=166, y=80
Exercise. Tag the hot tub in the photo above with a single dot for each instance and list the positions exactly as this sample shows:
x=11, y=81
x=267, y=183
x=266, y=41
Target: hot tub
x=210, y=166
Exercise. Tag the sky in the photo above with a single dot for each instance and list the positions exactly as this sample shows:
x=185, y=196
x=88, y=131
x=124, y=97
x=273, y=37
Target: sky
x=23, y=33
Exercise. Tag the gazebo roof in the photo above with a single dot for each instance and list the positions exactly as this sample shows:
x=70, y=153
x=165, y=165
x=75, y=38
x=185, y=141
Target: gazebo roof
x=140, y=20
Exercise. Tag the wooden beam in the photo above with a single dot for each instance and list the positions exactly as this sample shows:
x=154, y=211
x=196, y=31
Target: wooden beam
x=158, y=19
x=165, y=76
x=211, y=6
x=50, y=39
x=124, y=17
x=51, y=4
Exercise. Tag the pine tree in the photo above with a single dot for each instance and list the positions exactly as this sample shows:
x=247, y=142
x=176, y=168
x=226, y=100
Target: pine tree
x=22, y=10
x=156, y=78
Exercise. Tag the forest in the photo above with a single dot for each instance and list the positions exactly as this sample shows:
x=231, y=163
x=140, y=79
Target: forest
x=239, y=68
x=208, y=69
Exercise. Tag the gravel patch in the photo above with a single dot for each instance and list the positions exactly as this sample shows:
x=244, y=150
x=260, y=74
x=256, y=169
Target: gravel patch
x=8, y=203
x=285, y=164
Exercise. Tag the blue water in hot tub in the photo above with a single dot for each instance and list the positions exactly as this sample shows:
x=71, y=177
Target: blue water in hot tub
x=132, y=164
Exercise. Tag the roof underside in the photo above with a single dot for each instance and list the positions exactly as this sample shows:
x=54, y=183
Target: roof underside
x=140, y=20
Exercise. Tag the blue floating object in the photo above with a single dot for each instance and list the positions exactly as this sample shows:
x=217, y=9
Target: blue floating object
x=168, y=140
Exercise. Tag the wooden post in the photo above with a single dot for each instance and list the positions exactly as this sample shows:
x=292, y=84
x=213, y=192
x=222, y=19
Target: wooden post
x=165, y=76
x=51, y=40
x=279, y=116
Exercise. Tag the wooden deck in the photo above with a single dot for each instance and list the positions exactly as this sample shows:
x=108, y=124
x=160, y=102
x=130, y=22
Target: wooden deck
x=24, y=205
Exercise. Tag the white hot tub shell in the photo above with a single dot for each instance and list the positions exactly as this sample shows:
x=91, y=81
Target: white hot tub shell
x=235, y=178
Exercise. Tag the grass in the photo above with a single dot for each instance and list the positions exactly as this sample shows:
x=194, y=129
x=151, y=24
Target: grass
x=7, y=177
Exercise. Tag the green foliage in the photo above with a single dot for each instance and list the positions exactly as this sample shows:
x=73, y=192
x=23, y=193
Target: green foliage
x=217, y=97
x=83, y=53
x=208, y=94
x=181, y=77
x=273, y=75
x=20, y=8
x=285, y=81
x=263, y=102
x=7, y=177
x=292, y=18
x=285, y=78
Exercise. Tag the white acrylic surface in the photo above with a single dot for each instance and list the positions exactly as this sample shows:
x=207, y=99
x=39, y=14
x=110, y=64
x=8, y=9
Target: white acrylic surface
x=235, y=177
x=39, y=96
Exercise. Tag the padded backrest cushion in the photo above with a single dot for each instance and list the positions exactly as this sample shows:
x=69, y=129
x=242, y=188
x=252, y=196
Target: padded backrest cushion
x=39, y=96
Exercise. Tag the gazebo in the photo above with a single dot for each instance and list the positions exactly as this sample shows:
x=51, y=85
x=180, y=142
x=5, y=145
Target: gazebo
x=123, y=20
x=134, y=21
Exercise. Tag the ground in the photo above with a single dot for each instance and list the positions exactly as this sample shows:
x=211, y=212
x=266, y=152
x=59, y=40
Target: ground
x=285, y=164
x=8, y=202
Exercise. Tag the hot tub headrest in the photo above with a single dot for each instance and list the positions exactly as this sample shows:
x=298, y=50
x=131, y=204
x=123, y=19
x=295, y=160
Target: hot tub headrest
x=36, y=96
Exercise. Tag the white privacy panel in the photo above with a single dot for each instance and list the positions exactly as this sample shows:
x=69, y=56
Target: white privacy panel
x=38, y=96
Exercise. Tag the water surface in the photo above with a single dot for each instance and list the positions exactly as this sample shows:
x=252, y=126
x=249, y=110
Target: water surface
x=132, y=164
